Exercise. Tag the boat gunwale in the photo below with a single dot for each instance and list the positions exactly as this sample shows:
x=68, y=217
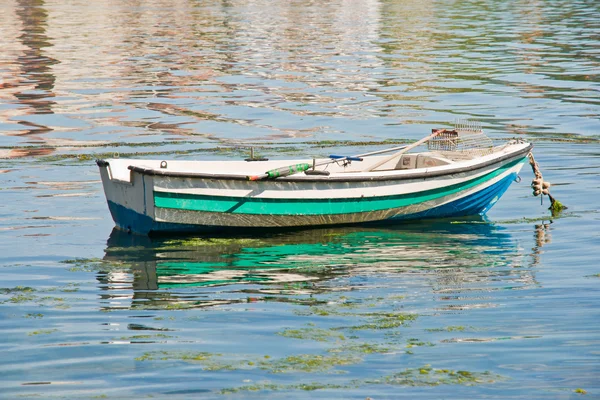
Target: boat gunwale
x=318, y=178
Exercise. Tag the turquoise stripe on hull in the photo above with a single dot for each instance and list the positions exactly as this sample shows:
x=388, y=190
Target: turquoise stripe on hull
x=476, y=203
x=298, y=207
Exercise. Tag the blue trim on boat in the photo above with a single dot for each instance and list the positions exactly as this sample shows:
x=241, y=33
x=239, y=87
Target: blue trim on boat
x=129, y=220
x=477, y=203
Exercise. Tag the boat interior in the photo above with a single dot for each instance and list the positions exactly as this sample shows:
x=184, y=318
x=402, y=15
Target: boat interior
x=119, y=168
x=446, y=148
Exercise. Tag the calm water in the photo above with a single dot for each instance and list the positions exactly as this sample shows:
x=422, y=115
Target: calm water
x=503, y=307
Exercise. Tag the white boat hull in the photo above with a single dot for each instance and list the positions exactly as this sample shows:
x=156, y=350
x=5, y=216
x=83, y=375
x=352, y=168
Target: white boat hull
x=188, y=196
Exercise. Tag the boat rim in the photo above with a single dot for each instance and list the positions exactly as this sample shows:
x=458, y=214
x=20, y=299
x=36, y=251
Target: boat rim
x=318, y=178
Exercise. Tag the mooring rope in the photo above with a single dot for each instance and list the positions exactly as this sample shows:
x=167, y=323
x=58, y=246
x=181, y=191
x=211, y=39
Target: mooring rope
x=542, y=187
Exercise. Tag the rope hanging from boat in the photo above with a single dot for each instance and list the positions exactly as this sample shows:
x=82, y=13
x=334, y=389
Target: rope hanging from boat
x=542, y=187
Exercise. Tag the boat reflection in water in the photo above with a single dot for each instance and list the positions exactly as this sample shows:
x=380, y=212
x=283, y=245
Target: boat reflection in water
x=191, y=271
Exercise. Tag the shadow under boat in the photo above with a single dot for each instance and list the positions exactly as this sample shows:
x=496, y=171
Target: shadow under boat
x=299, y=262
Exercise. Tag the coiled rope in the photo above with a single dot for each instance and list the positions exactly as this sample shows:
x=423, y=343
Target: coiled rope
x=542, y=187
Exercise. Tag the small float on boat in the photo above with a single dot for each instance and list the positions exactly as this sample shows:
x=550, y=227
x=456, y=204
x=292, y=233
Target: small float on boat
x=461, y=173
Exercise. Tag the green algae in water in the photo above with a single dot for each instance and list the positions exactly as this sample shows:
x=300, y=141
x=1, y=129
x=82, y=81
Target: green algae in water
x=385, y=320
x=319, y=311
x=95, y=265
x=554, y=215
x=36, y=315
x=309, y=363
x=312, y=386
x=209, y=361
x=24, y=294
x=200, y=242
x=556, y=207
x=142, y=337
x=428, y=376
x=374, y=320
x=176, y=355
x=21, y=298
x=417, y=343
x=396, y=297
x=17, y=289
x=416, y=377
x=20, y=294
x=255, y=388
x=455, y=328
x=42, y=332
x=130, y=153
x=317, y=334
x=362, y=348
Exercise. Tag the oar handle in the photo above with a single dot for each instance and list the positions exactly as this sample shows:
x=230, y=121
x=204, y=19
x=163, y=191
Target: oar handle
x=279, y=172
x=349, y=158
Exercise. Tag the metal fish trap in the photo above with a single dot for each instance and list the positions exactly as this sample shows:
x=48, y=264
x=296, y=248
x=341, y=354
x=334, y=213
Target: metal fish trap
x=465, y=141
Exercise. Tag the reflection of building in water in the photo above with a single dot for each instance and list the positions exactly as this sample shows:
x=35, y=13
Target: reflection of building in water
x=120, y=59
x=305, y=57
x=133, y=68
x=533, y=24
x=36, y=65
x=407, y=31
x=27, y=79
x=453, y=258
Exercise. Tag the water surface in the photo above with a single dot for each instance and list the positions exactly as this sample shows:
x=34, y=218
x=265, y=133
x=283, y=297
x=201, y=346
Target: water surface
x=502, y=307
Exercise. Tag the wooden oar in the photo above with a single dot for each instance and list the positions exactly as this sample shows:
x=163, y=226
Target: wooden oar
x=296, y=168
x=405, y=149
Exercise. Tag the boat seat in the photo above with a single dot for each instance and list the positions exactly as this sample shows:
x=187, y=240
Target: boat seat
x=407, y=161
x=414, y=161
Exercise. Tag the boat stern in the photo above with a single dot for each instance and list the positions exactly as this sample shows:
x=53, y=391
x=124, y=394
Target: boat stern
x=129, y=196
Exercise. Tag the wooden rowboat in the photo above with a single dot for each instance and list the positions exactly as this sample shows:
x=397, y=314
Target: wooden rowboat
x=153, y=196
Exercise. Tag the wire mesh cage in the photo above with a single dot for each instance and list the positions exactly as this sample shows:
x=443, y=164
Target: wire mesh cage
x=465, y=141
